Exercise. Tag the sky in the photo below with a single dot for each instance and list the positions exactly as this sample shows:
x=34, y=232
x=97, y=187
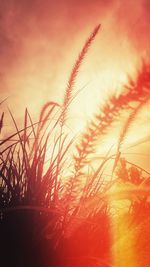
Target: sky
x=40, y=41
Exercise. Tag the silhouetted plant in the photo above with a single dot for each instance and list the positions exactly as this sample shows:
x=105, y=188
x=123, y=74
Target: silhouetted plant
x=50, y=221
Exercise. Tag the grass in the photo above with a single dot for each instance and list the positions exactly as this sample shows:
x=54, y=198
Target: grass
x=51, y=221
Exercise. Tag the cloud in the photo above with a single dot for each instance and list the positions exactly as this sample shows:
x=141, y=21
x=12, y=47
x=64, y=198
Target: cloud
x=40, y=39
x=32, y=31
x=20, y=19
x=132, y=18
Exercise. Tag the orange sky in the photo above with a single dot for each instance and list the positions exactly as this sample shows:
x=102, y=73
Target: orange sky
x=40, y=40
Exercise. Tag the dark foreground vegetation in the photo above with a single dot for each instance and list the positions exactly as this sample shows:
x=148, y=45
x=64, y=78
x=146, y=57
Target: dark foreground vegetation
x=48, y=220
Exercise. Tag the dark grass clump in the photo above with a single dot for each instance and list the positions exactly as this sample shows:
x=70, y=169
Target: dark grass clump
x=33, y=207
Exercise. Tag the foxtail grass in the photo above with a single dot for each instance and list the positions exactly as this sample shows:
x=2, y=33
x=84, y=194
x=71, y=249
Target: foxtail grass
x=70, y=218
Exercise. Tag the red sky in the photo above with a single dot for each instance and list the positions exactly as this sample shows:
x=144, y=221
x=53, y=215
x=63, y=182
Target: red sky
x=40, y=40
